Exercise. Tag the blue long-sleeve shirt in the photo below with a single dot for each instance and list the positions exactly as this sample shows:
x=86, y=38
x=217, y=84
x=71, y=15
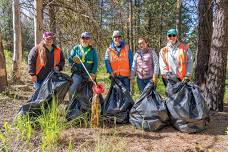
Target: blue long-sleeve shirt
x=117, y=49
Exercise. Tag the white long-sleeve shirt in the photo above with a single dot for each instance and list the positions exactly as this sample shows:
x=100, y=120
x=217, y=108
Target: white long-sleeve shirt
x=172, y=60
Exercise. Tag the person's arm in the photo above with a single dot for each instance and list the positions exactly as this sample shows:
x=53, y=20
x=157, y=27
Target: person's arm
x=189, y=63
x=72, y=54
x=107, y=62
x=134, y=65
x=155, y=62
x=130, y=57
x=32, y=61
x=95, y=62
x=162, y=63
x=62, y=61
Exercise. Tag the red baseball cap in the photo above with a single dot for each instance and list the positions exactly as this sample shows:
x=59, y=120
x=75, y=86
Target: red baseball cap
x=48, y=35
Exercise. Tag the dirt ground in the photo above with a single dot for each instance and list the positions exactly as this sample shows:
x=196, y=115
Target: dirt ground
x=126, y=137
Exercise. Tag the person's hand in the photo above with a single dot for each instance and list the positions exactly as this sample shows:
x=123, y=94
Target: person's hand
x=34, y=78
x=76, y=60
x=186, y=79
x=155, y=79
x=93, y=76
x=56, y=68
x=112, y=75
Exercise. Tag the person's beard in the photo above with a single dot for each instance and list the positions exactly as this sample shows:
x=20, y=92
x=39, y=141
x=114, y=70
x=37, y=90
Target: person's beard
x=85, y=44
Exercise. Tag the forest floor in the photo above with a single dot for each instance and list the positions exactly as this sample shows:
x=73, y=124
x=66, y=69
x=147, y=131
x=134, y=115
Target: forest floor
x=122, y=137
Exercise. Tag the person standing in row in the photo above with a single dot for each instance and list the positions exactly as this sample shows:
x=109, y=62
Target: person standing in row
x=175, y=59
x=44, y=58
x=145, y=65
x=82, y=53
x=118, y=59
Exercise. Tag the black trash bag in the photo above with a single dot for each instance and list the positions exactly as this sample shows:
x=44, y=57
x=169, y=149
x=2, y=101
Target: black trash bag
x=186, y=106
x=81, y=101
x=56, y=84
x=149, y=112
x=117, y=103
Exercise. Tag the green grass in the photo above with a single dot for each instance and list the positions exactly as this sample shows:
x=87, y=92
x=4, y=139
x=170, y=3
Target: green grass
x=47, y=127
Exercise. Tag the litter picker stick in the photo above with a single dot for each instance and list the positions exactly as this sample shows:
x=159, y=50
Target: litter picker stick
x=86, y=71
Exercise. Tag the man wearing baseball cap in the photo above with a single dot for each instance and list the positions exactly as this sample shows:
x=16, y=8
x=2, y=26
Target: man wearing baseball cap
x=44, y=58
x=118, y=59
x=82, y=53
x=175, y=58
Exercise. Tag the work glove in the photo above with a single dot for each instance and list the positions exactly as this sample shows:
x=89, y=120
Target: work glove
x=155, y=79
x=34, y=78
x=76, y=60
x=186, y=80
x=93, y=76
x=56, y=68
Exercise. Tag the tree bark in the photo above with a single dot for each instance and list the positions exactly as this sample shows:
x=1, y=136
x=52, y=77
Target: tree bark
x=17, y=54
x=215, y=83
x=204, y=41
x=38, y=20
x=3, y=74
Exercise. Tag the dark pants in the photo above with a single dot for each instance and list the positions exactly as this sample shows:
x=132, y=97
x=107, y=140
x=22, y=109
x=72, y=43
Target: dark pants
x=125, y=81
x=142, y=83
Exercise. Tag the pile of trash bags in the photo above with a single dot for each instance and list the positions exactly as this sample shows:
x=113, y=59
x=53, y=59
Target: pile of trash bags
x=56, y=84
x=117, y=103
x=186, y=107
x=149, y=112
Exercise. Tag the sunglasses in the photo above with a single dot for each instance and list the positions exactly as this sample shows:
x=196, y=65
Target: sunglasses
x=85, y=38
x=117, y=37
x=172, y=35
x=140, y=43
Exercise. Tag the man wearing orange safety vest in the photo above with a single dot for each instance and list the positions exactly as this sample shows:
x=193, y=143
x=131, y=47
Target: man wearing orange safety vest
x=175, y=59
x=118, y=59
x=44, y=58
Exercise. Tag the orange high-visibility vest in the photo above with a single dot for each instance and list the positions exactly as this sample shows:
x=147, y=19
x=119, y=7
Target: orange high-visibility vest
x=120, y=64
x=182, y=60
x=39, y=65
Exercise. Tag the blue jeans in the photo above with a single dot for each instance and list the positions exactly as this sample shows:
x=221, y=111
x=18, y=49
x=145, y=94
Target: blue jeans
x=142, y=83
x=125, y=81
x=37, y=84
x=77, y=79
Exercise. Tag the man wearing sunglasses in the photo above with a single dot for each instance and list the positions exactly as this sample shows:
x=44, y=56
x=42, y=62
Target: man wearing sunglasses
x=118, y=59
x=175, y=59
x=87, y=54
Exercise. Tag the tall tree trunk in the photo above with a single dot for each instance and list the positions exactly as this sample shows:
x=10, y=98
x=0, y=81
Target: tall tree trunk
x=3, y=74
x=52, y=18
x=17, y=54
x=215, y=83
x=38, y=20
x=130, y=24
x=161, y=25
x=204, y=41
x=178, y=16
